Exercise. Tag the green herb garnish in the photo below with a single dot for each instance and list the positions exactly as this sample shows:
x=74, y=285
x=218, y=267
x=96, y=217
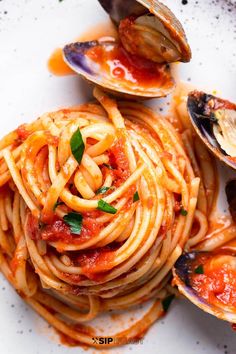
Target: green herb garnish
x=74, y=220
x=107, y=208
x=77, y=145
x=199, y=269
x=108, y=166
x=136, y=197
x=167, y=302
x=183, y=212
x=103, y=190
x=56, y=205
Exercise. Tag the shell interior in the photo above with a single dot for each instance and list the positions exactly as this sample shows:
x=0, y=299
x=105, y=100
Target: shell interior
x=214, y=120
x=181, y=273
x=75, y=55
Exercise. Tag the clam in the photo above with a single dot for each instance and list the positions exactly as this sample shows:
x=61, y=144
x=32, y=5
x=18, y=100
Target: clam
x=214, y=120
x=208, y=280
x=148, y=28
x=137, y=65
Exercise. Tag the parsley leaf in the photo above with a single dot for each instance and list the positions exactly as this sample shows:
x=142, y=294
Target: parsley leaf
x=183, y=212
x=77, y=145
x=107, y=208
x=136, y=197
x=74, y=220
x=103, y=190
x=199, y=269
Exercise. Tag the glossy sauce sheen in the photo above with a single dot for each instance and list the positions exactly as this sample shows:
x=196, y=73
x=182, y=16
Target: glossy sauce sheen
x=217, y=284
x=122, y=66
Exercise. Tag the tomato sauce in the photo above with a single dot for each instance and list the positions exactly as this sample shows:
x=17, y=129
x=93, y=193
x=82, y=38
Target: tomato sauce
x=22, y=132
x=97, y=261
x=52, y=139
x=56, y=64
x=217, y=284
x=58, y=230
x=119, y=163
x=123, y=66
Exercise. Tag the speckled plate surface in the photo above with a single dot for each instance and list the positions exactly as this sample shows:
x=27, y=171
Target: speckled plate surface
x=29, y=31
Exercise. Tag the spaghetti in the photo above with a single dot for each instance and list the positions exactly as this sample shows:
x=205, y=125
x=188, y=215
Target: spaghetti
x=96, y=205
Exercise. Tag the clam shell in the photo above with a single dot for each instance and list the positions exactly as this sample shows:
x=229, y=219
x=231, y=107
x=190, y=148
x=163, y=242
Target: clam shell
x=119, y=9
x=75, y=57
x=181, y=279
x=196, y=105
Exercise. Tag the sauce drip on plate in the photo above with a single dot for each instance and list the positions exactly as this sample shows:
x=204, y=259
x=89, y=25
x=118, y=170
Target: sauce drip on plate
x=56, y=64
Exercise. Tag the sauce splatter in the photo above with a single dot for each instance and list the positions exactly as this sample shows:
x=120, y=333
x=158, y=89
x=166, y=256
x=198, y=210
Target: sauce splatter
x=56, y=64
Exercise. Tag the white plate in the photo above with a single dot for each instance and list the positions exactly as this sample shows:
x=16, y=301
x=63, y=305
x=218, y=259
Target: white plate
x=29, y=31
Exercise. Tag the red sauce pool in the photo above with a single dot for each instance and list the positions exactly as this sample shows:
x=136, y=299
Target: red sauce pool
x=123, y=66
x=217, y=284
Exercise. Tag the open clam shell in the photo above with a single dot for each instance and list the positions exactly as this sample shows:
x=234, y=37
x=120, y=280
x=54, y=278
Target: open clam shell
x=81, y=57
x=214, y=120
x=150, y=29
x=182, y=277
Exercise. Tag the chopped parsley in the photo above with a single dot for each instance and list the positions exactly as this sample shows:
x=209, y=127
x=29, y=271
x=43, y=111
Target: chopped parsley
x=74, y=220
x=107, y=208
x=199, y=269
x=136, y=197
x=183, y=212
x=77, y=145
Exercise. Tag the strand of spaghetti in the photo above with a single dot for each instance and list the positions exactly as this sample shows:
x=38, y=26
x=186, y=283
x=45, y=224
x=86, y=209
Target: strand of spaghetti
x=203, y=227
x=188, y=142
x=110, y=107
x=208, y=172
x=157, y=279
x=180, y=180
x=57, y=187
x=79, y=204
x=67, y=311
x=194, y=188
x=18, y=182
x=218, y=240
